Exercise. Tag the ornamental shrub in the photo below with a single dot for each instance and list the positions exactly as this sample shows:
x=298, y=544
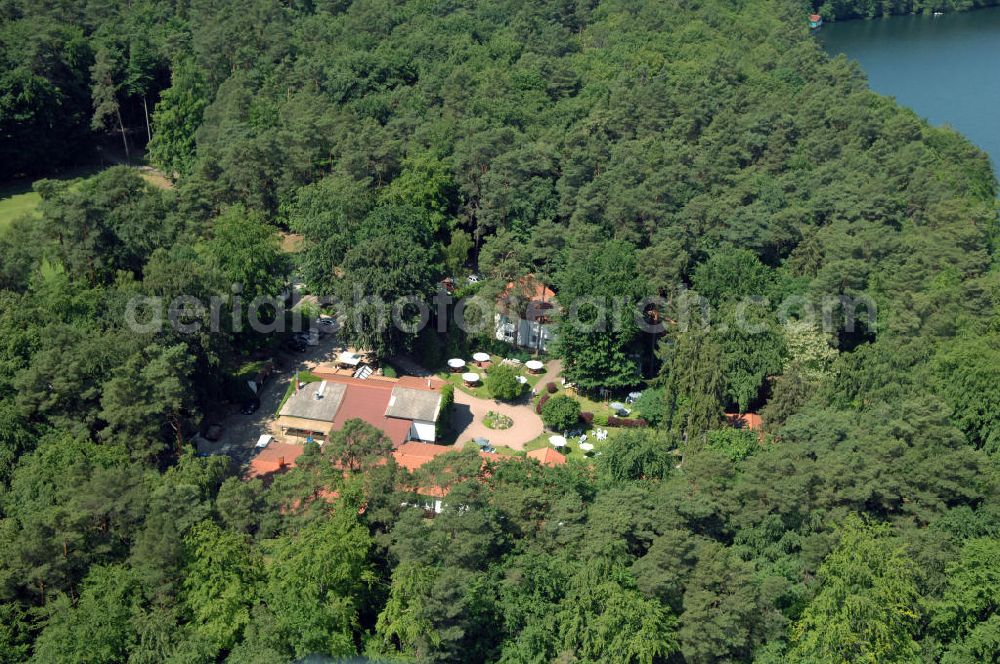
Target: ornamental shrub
x=561, y=412
x=501, y=381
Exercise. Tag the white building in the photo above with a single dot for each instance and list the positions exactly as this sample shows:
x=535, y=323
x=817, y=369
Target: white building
x=524, y=312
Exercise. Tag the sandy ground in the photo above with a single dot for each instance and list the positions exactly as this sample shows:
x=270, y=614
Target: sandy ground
x=468, y=416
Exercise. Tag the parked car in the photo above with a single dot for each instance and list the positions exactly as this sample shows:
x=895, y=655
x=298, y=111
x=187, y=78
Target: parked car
x=250, y=406
x=310, y=338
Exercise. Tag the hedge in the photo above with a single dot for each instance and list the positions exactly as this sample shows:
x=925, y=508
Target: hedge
x=447, y=400
x=626, y=422
x=541, y=402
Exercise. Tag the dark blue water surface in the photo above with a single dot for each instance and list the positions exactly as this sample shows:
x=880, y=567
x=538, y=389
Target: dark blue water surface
x=946, y=68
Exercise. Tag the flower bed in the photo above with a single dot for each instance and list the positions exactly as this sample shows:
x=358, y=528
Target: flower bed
x=497, y=421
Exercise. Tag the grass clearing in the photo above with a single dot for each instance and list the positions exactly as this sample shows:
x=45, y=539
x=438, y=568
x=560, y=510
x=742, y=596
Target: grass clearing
x=15, y=205
x=157, y=179
x=18, y=197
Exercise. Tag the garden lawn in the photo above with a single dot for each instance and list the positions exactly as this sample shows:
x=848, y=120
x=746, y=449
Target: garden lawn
x=572, y=450
x=480, y=390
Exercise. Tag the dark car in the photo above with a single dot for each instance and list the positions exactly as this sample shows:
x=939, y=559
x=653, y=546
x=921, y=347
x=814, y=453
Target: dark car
x=250, y=407
x=295, y=345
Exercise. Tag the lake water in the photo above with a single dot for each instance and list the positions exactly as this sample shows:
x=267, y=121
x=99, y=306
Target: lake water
x=946, y=68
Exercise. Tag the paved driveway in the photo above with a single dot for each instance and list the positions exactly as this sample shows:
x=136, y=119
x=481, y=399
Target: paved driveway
x=240, y=432
x=469, y=411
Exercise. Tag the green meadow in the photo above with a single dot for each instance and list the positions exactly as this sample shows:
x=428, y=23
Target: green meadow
x=18, y=198
x=16, y=201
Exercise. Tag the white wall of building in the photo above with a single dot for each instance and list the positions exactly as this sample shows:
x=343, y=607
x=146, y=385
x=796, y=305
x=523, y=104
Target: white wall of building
x=524, y=333
x=424, y=431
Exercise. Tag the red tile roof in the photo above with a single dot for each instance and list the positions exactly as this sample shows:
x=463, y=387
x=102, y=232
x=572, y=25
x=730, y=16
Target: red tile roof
x=368, y=400
x=274, y=459
x=530, y=288
x=539, y=299
x=751, y=421
x=279, y=457
x=547, y=456
x=416, y=382
x=413, y=455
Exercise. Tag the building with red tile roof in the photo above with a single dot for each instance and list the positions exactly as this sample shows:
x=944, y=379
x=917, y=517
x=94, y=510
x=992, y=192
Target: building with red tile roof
x=278, y=458
x=547, y=456
x=402, y=409
x=524, y=313
x=751, y=421
x=530, y=289
x=273, y=460
x=413, y=455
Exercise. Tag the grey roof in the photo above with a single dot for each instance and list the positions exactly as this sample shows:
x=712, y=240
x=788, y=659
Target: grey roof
x=304, y=404
x=408, y=403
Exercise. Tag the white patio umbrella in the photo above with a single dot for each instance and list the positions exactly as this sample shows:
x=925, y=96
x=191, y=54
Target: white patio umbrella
x=534, y=365
x=481, y=357
x=522, y=380
x=557, y=441
x=470, y=378
x=587, y=447
x=456, y=363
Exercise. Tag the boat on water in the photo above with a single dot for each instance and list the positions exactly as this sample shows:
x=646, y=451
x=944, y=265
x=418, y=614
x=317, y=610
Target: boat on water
x=815, y=21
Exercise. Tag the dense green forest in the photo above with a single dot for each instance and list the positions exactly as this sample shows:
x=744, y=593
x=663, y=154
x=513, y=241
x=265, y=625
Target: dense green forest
x=609, y=147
